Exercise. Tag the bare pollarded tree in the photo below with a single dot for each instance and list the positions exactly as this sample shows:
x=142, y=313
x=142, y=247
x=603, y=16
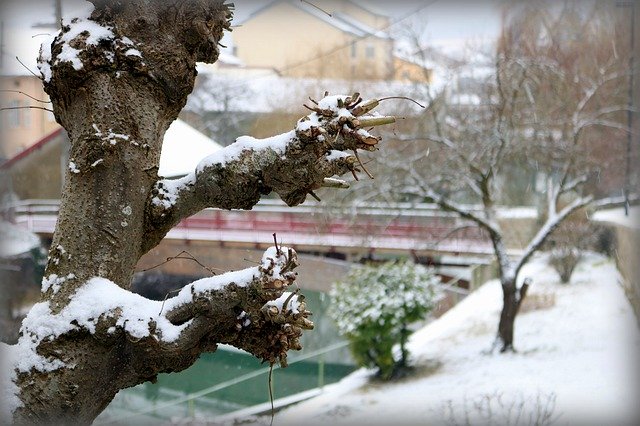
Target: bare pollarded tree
x=539, y=107
x=117, y=78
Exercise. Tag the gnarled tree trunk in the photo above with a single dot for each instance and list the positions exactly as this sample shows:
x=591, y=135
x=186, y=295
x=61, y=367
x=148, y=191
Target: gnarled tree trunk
x=117, y=79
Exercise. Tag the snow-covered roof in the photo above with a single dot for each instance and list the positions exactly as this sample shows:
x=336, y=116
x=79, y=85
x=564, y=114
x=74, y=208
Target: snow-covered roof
x=183, y=148
x=365, y=5
x=414, y=59
x=15, y=240
x=340, y=21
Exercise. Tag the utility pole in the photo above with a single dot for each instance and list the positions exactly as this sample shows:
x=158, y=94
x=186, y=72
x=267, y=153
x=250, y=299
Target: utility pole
x=630, y=103
x=58, y=13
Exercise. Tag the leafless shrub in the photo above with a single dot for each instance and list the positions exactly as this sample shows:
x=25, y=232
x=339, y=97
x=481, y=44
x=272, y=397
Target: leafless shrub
x=503, y=410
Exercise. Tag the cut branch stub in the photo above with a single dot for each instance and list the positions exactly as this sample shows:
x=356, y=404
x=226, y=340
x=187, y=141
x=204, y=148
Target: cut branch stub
x=339, y=117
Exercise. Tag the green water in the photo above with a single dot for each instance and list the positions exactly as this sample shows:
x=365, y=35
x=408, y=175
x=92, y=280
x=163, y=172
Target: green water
x=168, y=398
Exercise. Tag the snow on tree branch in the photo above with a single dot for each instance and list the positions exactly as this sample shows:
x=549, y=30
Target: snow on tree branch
x=244, y=308
x=294, y=164
x=548, y=227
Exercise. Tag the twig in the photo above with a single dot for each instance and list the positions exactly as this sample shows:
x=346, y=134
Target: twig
x=26, y=107
x=26, y=94
x=317, y=7
x=288, y=299
x=179, y=256
x=27, y=68
x=377, y=121
x=362, y=165
x=273, y=410
x=166, y=296
x=313, y=194
x=275, y=242
x=334, y=183
x=402, y=97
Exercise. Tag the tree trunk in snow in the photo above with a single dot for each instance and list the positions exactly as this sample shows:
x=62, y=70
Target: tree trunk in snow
x=117, y=80
x=507, y=316
x=512, y=298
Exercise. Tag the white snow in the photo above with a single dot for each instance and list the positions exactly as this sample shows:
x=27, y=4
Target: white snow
x=15, y=240
x=335, y=154
x=169, y=189
x=110, y=136
x=55, y=282
x=182, y=148
x=79, y=25
x=292, y=305
x=617, y=216
x=73, y=168
x=578, y=351
x=232, y=152
x=44, y=64
x=133, y=52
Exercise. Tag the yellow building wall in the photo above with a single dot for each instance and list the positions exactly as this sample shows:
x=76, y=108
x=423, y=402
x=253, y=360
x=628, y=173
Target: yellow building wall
x=298, y=44
x=409, y=72
x=23, y=127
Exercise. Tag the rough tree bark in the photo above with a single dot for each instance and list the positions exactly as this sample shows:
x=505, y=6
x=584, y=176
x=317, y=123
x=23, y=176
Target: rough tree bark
x=117, y=80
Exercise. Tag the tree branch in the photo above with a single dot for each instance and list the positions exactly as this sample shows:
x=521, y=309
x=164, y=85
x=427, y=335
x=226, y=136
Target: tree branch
x=243, y=308
x=549, y=226
x=292, y=164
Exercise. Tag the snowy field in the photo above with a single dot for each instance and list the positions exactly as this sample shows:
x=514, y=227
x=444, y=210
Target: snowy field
x=576, y=363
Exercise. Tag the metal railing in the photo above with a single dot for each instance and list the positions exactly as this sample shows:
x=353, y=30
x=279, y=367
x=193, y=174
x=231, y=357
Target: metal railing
x=226, y=384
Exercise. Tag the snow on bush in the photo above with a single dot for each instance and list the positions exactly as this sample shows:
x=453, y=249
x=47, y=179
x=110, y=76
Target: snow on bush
x=374, y=306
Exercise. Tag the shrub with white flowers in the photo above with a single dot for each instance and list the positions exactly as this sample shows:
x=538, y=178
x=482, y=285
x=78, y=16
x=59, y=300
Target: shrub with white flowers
x=374, y=306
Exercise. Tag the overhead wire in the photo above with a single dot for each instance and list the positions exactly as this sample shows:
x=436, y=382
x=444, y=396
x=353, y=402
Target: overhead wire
x=392, y=23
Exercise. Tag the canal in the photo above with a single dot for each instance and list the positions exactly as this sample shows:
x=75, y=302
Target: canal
x=230, y=379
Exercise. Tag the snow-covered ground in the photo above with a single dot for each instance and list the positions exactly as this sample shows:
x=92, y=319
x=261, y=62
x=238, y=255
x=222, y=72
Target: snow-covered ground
x=576, y=362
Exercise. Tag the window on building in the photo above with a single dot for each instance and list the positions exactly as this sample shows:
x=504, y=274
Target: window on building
x=354, y=50
x=26, y=115
x=13, y=115
x=370, y=51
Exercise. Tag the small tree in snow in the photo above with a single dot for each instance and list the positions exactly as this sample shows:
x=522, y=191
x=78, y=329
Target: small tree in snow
x=374, y=306
x=541, y=108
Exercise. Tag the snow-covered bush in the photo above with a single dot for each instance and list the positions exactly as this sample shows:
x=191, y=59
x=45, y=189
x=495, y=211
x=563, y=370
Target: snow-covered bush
x=568, y=243
x=374, y=306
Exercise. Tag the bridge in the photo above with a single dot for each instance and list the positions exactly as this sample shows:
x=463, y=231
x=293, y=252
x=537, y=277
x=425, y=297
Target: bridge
x=421, y=229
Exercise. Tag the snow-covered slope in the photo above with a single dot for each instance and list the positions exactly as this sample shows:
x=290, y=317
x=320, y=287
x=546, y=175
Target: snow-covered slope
x=576, y=361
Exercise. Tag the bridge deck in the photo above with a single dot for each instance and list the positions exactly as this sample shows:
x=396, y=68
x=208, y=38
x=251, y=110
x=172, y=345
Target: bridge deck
x=308, y=227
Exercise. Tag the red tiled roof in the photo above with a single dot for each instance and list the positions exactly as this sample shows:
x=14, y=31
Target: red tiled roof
x=51, y=136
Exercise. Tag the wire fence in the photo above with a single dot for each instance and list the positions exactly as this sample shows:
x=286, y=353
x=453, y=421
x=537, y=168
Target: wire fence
x=189, y=398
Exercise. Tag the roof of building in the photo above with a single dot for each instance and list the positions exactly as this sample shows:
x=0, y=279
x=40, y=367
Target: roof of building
x=341, y=21
x=367, y=6
x=39, y=144
x=182, y=149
